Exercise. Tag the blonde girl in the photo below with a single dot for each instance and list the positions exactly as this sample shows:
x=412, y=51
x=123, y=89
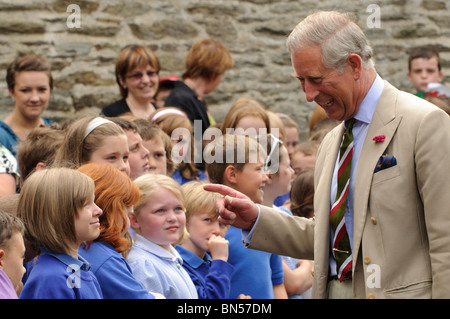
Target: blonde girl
x=159, y=221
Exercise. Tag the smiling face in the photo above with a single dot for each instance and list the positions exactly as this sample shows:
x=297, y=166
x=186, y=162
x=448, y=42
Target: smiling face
x=337, y=93
x=31, y=93
x=161, y=220
x=141, y=83
x=87, y=223
x=251, y=181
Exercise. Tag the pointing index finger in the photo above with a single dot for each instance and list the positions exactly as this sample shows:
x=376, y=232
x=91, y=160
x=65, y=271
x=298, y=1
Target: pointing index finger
x=223, y=190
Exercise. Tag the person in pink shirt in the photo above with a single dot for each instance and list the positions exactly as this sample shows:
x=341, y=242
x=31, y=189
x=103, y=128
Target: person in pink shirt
x=12, y=252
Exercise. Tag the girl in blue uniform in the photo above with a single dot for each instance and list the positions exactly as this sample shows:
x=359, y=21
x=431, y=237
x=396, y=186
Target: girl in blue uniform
x=58, y=210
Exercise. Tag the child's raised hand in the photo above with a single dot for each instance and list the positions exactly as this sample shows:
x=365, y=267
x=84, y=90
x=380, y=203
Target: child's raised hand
x=218, y=247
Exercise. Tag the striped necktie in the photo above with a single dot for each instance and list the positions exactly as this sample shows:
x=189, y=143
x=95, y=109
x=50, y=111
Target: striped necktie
x=341, y=243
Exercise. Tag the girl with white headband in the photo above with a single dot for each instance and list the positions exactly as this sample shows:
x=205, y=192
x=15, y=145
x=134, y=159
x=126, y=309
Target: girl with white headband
x=94, y=139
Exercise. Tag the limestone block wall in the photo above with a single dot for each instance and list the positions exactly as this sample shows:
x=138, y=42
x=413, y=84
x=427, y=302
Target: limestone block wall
x=82, y=40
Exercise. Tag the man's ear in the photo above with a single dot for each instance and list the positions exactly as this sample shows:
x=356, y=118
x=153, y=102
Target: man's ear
x=355, y=63
x=230, y=175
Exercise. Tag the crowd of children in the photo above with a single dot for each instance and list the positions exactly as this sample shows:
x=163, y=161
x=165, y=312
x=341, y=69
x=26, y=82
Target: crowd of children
x=113, y=205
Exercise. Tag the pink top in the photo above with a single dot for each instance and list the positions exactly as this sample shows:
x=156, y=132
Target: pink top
x=7, y=290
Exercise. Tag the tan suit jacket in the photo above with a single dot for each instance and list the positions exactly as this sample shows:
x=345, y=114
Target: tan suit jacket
x=401, y=234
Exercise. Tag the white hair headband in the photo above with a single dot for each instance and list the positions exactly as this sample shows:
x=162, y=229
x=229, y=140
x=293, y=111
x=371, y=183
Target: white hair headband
x=167, y=111
x=94, y=123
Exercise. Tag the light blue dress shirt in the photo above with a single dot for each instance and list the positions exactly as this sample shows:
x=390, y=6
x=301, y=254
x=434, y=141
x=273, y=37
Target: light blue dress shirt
x=363, y=118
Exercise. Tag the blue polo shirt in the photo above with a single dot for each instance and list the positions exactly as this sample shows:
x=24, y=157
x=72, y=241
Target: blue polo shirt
x=211, y=277
x=60, y=276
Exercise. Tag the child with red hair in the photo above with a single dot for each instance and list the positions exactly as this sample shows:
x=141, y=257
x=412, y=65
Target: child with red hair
x=115, y=194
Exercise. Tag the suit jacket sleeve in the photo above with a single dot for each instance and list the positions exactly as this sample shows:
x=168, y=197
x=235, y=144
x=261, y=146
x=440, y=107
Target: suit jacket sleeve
x=433, y=176
x=279, y=233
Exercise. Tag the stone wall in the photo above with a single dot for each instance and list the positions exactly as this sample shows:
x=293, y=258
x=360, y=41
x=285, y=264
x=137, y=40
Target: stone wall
x=83, y=51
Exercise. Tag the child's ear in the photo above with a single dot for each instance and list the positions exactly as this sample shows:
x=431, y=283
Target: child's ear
x=133, y=221
x=230, y=175
x=40, y=165
x=2, y=254
x=269, y=178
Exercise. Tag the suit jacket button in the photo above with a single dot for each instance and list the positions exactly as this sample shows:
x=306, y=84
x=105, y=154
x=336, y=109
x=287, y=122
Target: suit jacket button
x=371, y=296
x=366, y=260
x=373, y=220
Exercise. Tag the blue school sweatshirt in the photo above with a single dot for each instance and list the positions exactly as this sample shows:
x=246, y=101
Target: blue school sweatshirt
x=60, y=276
x=211, y=278
x=113, y=273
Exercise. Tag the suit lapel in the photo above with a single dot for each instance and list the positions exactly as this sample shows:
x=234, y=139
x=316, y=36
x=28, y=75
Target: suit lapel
x=384, y=122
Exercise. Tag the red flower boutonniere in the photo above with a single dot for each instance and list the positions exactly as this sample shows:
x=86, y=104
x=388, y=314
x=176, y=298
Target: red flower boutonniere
x=379, y=138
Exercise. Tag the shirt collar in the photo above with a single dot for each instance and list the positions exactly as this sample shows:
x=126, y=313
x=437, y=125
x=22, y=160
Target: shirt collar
x=369, y=103
x=69, y=261
x=157, y=250
x=192, y=259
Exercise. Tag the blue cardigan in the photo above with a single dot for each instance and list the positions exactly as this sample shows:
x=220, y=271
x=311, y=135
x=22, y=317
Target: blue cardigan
x=210, y=277
x=60, y=276
x=113, y=273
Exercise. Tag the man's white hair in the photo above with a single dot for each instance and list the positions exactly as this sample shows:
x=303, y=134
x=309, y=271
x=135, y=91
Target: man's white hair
x=336, y=34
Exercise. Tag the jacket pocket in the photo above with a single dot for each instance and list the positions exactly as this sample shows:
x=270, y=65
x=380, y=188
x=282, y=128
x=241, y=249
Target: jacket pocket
x=419, y=290
x=386, y=174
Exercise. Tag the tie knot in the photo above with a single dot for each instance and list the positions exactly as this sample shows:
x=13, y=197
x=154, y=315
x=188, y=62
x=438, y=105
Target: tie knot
x=349, y=124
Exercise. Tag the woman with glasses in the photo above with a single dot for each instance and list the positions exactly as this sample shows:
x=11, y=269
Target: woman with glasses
x=137, y=74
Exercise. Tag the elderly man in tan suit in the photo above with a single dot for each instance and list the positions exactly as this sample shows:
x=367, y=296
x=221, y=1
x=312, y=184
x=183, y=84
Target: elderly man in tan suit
x=395, y=204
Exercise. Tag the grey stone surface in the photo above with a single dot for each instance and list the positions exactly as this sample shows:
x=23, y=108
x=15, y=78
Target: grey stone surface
x=254, y=31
